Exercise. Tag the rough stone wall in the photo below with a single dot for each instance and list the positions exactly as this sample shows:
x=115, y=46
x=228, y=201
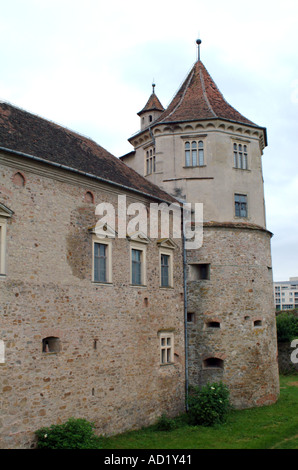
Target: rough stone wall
x=108, y=370
x=238, y=294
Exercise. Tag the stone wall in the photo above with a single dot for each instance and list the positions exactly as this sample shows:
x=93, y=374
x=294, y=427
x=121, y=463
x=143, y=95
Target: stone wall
x=232, y=335
x=108, y=367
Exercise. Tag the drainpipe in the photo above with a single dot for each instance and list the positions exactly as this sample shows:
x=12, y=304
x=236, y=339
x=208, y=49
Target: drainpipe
x=185, y=319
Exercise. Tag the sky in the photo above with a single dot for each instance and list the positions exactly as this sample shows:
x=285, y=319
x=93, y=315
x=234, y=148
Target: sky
x=89, y=66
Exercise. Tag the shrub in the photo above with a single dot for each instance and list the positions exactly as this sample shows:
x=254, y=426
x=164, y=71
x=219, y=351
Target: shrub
x=74, y=434
x=165, y=424
x=286, y=326
x=209, y=405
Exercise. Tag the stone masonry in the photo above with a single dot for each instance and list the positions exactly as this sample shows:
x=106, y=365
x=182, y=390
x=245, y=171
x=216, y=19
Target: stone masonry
x=108, y=368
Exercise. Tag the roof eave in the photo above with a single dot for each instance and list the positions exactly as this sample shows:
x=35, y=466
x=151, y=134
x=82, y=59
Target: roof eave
x=154, y=124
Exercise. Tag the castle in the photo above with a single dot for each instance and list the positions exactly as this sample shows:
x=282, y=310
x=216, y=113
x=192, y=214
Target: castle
x=115, y=329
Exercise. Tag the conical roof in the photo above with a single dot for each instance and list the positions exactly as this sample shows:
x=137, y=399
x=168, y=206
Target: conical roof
x=153, y=104
x=199, y=98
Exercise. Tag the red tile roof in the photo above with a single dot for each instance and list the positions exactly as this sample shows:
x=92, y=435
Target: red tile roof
x=153, y=104
x=21, y=131
x=199, y=98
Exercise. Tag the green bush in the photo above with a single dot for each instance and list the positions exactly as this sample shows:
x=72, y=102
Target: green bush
x=74, y=434
x=286, y=326
x=165, y=424
x=209, y=405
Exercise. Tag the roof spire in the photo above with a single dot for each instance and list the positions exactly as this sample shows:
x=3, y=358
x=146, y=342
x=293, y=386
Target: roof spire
x=198, y=41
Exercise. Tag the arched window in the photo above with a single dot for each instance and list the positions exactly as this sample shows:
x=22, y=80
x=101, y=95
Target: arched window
x=187, y=154
x=51, y=344
x=201, y=153
x=89, y=197
x=18, y=179
x=150, y=161
x=240, y=156
x=194, y=153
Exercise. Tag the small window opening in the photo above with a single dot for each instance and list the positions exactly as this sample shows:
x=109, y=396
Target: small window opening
x=258, y=323
x=18, y=179
x=146, y=301
x=190, y=317
x=89, y=197
x=213, y=324
x=51, y=344
x=95, y=344
x=213, y=363
x=199, y=272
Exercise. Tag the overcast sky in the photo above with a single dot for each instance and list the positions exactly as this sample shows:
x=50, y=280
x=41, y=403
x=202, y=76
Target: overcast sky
x=89, y=65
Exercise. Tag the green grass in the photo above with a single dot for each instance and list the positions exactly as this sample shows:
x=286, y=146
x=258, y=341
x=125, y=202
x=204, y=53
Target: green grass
x=268, y=427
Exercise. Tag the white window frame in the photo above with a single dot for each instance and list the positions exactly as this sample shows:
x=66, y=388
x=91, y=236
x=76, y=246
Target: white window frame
x=194, y=154
x=166, y=348
x=240, y=155
x=108, y=243
x=5, y=213
x=167, y=252
x=150, y=161
x=141, y=246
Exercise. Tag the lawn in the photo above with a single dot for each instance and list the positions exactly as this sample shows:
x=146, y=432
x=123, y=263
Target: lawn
x=268, y=427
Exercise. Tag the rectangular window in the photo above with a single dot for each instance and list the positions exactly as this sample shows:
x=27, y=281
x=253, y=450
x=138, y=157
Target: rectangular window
x=240, y=205
x=165, y=270
x=240, y=156
x=194, y=153
x=136, y=267
x=102, y=261
x=167, y=348
x=2, y=246
x=150, y=161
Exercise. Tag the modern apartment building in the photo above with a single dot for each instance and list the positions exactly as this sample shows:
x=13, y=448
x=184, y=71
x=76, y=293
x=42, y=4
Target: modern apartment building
x=286, y=294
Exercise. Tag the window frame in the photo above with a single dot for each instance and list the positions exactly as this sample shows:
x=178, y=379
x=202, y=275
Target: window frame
x=194, y=152
x=108, y=266
x=5, y=213
x=240, y=216
x=150, y=161
x=169, y=253
x=166, y=351
x=240, y=155
x=142, y=247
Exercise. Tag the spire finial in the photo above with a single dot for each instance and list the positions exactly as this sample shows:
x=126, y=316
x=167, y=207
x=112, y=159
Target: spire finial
x=153, y=86
x=199, y=42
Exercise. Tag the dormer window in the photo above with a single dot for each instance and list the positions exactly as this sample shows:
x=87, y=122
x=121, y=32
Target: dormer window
x=194, y=153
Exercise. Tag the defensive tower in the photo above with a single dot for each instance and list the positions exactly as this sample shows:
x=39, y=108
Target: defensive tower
x=201, y=149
